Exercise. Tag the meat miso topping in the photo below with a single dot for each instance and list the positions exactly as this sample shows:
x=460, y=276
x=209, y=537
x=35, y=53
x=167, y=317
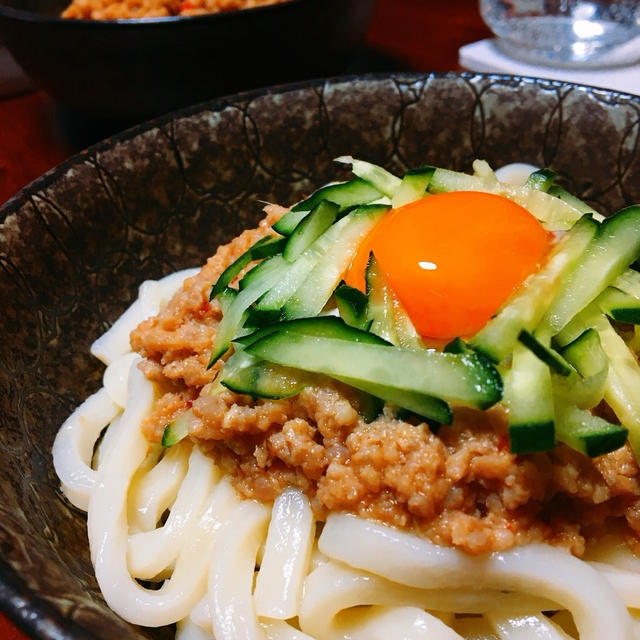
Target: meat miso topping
x=459, y=486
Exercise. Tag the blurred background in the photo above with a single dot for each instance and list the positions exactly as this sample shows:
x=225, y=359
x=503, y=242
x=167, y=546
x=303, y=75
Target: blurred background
x=36, y=134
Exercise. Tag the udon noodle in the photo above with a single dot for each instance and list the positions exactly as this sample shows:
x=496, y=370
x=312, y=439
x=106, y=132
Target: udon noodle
x=236, y=569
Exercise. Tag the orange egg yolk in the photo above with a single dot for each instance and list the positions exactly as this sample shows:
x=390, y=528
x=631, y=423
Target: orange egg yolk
x=453, y=259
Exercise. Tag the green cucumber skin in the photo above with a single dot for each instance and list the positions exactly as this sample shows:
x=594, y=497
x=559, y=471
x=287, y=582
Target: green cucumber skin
x=542, y=179
x=570, y=199
x=378, y=177
x=612, y=250
x=263, y=248
x=380, y=303
x=524, y=310
x=316, y=289
x=589, y=434
x=266, y=380
x=352, y=306
x=425, y=406
x=345, y=194
x=324, y=249
x=460, y=379
x=619, y=305
x=177, y=430
x=531, y=437
x=321, y=326
x=413, y=186
x=529, y=398
x=236, y=312
x=309, y=229
x=550, y=357
x=289, y=221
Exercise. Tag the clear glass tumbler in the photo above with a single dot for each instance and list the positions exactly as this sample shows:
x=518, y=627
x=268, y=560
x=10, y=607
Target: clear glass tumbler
x=567, y=33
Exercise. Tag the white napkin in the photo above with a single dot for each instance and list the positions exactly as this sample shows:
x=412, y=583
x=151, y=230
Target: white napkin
x=485, y=57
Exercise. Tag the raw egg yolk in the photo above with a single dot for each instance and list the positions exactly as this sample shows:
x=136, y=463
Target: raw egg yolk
x=453, y=259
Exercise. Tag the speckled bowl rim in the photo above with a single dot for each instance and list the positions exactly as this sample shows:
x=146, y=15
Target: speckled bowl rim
x=34, y=615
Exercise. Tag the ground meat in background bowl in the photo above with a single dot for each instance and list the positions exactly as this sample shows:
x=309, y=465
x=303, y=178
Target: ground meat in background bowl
x=130, y=9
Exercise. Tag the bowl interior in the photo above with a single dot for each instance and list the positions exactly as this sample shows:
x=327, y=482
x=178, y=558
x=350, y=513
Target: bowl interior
x=75, y=245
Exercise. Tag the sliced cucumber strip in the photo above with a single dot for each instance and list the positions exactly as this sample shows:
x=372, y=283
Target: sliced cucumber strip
x=413, y=186
x=419, y=403
x=576, y=203
x=542, y=179
x=527, y=306
x=226, y=297
x=256, y=272
x=309, y=229
x=177, y=430
x=289, y=221
x=380, y=302
x=346, y=194
x=263, y=248
x=352, y=306
x=243, y=373
x=269, y=274
x=461, y=379
x=331, y=252
x=623, y=382
x=585, y=432
x=321, y=326
x=619, y=305
x=612, y=250
x=376, y=176
x=406, y=333
x=554, y=213
x=529, y=398
x=548, y=355
x=339, y=245
x=585, y=353
x=629, y=282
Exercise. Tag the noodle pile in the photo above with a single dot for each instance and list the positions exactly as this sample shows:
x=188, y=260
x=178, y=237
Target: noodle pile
x=234, y=569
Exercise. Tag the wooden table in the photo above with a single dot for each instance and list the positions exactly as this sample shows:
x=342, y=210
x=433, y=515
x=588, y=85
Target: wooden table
x=410, y=34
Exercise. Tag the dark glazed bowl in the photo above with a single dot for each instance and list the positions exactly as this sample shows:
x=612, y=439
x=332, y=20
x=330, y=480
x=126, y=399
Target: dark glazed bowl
x=136, y=69
x=76, y=243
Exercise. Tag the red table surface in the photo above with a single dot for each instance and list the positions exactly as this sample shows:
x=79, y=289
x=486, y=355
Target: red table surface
x=423, y=35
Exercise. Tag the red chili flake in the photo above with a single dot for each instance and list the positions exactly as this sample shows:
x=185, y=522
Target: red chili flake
x=503, y=442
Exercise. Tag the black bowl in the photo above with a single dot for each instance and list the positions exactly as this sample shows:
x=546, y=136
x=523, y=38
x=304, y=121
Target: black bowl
x=136, y=69
x=76, y=243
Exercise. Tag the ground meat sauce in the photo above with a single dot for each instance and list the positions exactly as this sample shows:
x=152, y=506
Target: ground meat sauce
x=460, y=486
x=130, y=9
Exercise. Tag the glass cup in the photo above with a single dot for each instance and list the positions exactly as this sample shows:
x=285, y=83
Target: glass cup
x=566, y=33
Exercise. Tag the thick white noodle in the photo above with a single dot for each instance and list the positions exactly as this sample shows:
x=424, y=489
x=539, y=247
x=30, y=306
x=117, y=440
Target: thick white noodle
x=287, y=556
x=152, y=294
x=150, y=552
x=597, y=609
x=280, y=630
x=189, y=630
x=515, y=173
x=74, y=443
x=116, y=378
x=625, y=582
x=510, y=626
x=153, y=492
x=333, y=588
x=107, y=526
x=233, y=563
